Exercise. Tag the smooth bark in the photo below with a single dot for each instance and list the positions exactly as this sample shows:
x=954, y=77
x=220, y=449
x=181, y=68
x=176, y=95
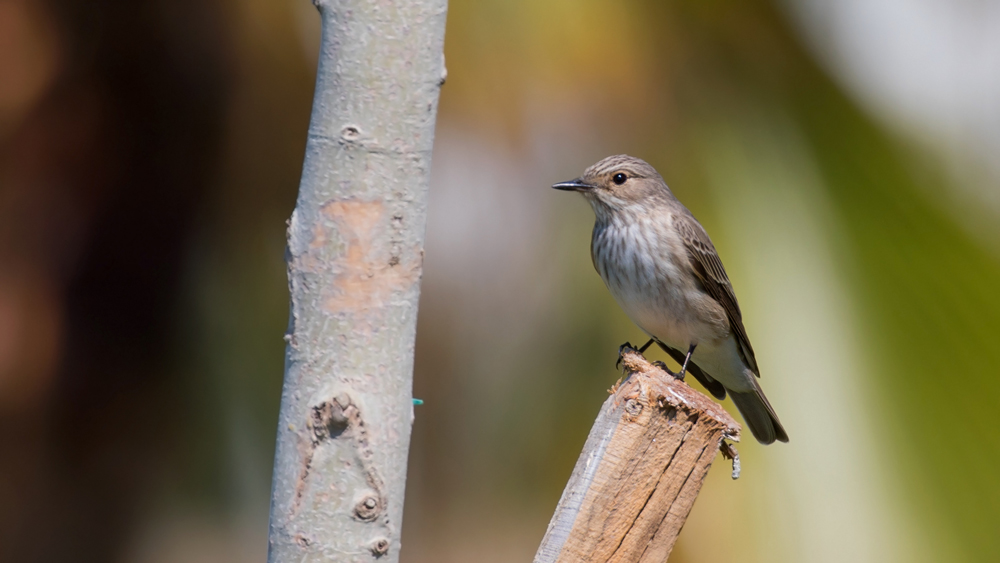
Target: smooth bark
x=355, y=255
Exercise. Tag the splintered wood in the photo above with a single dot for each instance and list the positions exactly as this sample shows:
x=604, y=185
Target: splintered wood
x=640, y=471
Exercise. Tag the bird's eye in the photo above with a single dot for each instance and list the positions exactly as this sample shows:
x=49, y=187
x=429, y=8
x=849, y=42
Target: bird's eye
x=619, y=178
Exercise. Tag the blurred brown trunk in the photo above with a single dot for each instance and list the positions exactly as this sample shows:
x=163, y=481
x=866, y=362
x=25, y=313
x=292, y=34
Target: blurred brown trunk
x=355, y=256
x=640, y=471
x=112, y=115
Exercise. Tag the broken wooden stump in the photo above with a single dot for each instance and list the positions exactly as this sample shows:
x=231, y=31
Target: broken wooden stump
x=640, y=470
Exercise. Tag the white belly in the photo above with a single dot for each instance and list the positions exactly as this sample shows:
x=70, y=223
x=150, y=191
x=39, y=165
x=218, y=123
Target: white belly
x=645, y=276
x=645, y=279
x=670, y=319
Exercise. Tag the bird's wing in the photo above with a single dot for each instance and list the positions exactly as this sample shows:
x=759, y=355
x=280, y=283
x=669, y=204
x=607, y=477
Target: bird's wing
x=708, y=268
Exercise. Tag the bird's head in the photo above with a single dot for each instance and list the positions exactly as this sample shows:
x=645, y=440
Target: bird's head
x=618, y=183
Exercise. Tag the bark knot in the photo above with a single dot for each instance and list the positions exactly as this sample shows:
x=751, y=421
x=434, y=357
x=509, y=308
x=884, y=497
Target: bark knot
x=633, y=407
x=368, y=507
x=380, y=547
x=350, y=133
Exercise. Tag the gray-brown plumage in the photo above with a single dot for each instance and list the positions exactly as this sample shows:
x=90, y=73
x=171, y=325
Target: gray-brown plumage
x=662, y=268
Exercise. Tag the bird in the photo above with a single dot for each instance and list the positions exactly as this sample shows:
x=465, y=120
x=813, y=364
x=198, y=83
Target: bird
x=661, y=267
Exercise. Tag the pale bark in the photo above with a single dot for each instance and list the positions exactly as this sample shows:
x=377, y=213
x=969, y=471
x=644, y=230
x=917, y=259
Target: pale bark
x=355, y=254
x=640, y=471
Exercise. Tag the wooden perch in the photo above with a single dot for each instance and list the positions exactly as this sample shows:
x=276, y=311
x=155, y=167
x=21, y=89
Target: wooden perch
x=640, y=470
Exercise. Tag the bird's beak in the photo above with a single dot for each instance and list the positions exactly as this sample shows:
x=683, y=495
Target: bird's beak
x=576, y=185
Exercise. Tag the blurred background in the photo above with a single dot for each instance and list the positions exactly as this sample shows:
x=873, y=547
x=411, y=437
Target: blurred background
x=843, y=156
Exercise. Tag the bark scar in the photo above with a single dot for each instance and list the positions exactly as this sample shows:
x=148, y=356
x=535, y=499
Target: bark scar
x=365, y=279
x=333, y=419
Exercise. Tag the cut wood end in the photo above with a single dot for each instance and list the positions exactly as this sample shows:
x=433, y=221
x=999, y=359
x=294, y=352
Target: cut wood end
x=640, y=471
x=643, y=378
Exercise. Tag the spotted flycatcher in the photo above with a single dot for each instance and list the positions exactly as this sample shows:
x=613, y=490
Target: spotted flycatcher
x=663, y=270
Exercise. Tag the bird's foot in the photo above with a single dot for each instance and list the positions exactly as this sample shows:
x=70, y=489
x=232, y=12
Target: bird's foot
x=663, y=366
x=621, y=350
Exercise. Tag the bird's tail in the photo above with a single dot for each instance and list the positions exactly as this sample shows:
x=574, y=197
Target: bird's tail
x=759, y=414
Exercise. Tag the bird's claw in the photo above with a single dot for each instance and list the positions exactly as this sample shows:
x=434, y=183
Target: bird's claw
x=680, y=375
x=621, y=350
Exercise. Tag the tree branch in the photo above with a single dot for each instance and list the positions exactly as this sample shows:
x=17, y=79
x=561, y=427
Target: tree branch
x=640, y=471
x=355, y=256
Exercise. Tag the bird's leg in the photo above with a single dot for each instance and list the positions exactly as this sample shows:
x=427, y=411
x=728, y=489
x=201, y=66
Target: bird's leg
x=646, y=345
x=687, y=359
